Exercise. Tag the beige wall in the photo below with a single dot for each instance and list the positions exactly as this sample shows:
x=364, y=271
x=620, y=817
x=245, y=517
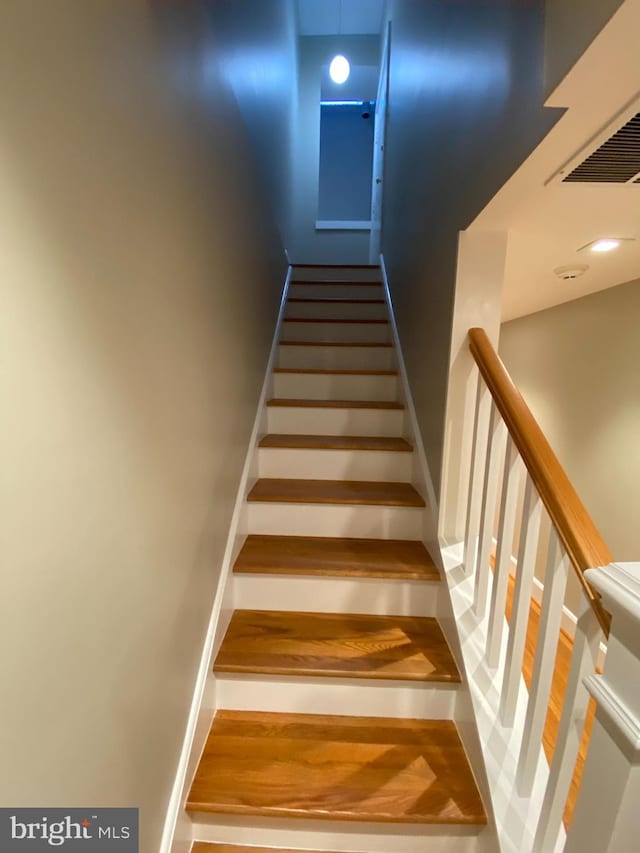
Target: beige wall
x=578, y=367
x=140, y=279
x=465, y=108
x=570, y=27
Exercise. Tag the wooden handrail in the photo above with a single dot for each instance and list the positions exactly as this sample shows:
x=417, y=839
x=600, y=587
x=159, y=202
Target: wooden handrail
x=583, y=543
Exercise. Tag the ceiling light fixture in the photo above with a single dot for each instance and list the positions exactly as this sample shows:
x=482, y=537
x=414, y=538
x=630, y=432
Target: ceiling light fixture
x=339, y=69
x=605, y=245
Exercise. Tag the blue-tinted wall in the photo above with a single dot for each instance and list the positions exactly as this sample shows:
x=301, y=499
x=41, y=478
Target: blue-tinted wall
x=465, y=109
x=346, y=163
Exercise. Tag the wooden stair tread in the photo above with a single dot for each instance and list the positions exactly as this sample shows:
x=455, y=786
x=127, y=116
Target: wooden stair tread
x=336, y=557
x=360, y=492
x=328, y=372
x=328, y=767
x=336, y=442
x=340, y=320
x=336, y=344
x=290, y=402
x=272, y=642
x=333, y=300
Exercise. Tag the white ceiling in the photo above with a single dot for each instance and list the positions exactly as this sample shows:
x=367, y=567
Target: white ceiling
x=340, y=17
x=547, y=224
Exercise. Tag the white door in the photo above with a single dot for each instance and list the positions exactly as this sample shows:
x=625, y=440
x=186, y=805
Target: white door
x=379, y=140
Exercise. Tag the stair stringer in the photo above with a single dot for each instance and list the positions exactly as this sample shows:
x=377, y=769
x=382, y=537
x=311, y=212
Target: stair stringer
x=516, y=817
x=177, y=836
x=464, y=713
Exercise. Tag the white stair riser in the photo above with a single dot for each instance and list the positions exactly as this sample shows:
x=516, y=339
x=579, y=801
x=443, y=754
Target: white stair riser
x=350, y=696
x=337, y=358
x=380, y=596
x=308, y=421
x=334, y=332
x=311, y=464
x=302, y=519
x=343, y=836
x=356, y=310
x=334, y=386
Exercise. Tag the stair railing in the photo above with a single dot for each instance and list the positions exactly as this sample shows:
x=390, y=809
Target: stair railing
x=512, y=460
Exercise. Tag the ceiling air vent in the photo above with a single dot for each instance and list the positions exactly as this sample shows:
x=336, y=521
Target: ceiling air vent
x=616, y=161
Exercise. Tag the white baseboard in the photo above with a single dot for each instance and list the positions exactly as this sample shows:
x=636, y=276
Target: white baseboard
x=191, y=749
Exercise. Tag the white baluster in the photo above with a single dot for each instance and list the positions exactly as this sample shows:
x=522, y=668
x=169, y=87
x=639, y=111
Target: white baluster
x=480, y=427
x=607, y=814
x=527, y=552
x=574, y=711
x=495, y=451
x=555, y=581
x=508, y=505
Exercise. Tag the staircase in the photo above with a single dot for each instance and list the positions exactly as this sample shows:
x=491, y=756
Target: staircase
x=335, y=686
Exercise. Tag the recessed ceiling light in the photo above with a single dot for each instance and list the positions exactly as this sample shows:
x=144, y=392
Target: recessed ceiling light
x=339, y=69
x=605, y=245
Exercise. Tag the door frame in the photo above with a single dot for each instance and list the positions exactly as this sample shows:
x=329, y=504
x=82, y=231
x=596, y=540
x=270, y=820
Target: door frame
x=379, y=157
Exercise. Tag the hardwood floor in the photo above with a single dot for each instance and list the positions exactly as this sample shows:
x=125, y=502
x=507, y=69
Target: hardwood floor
x=202, y=847
x=363, y=493
x=328, y=767
x=336, y=557
x=336, y=644
x=556, y=699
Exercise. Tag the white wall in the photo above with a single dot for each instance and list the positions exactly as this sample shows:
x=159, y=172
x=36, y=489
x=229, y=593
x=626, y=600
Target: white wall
x=479, y=280
x=307, y=244
x=465, y=108
x=140, y=275
x=578, y=366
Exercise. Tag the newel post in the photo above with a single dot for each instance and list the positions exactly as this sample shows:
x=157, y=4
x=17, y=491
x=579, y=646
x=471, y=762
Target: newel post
x=607, y=816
